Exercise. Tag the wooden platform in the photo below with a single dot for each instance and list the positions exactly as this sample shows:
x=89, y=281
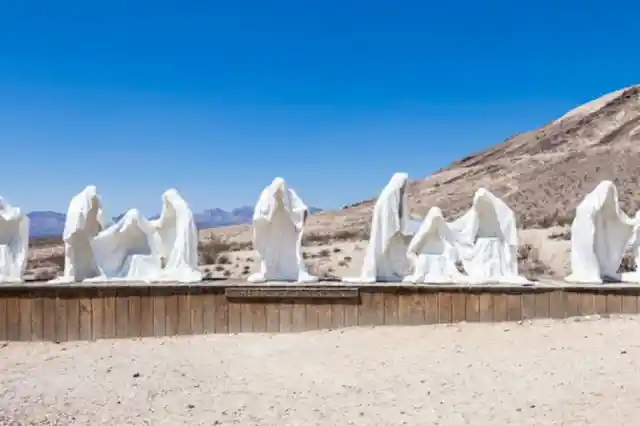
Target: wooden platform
x=45, y=312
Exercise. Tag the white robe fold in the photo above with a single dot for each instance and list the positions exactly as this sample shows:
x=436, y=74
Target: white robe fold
x=14, y=242
x=432, y=251
x=85, y=219
x=487, y=241
x=278, y=224
x=600, y=233
x=386, y=254
x=179, y=236
x=130, y=250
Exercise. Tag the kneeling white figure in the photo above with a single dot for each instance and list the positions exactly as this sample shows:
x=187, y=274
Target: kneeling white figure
x=386, y=254
x=432, y=252
x=179, y=236
x=85, y=219
x=600, y=234
x=129, y=250
x=14, y=242
x=487, y=241
x=278, y=224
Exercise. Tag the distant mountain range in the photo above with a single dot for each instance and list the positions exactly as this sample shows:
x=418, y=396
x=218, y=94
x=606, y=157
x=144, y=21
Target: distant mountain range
x=51, y=224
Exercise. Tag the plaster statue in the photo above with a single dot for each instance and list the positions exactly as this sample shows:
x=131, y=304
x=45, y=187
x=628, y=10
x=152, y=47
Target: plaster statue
x=487, y=241
x=432, y=251
x=179, y=236
x=600, y=233
x=14, y=242
x=130, y=250
x=386, y=254
x=278, y=223
x=85, y=219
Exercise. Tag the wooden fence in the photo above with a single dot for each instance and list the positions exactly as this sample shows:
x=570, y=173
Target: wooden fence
x=62, y=313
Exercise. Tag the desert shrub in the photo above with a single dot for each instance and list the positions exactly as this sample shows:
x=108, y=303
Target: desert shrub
x=348, y=258
x=45, y=242
x=337, y=250
x=343, y=264
x=219, y=268
x=562, y=235
x=223, y=259
x=210, y=249
x=227, y=274
x=628, y=263
x=324, y=253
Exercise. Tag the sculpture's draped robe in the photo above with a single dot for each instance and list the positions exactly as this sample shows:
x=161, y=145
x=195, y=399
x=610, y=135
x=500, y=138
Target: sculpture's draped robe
x=600, y=233
x=85, y=219
x=278, y=223
x=130, y=250
x=179, y=236
x=487, y=241
x=386, y=254
x=14, y=242
x=432, y=251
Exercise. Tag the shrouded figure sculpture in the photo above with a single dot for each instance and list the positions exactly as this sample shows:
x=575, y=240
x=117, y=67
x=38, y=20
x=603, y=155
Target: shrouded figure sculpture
x=487, y=241
x=386, y=254
x=600, y=233
x=179, y=237
x=85, y=219
x=433, y=252
x=278, y=223
x=14, y=242
x=130, y=249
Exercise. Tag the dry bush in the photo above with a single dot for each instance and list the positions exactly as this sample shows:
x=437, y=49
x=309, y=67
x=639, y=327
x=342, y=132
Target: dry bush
x=562, y=235
x=211, y=251
x=529, y=263
x=344, y=235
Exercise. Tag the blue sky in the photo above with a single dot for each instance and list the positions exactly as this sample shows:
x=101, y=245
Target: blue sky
x=217, y=98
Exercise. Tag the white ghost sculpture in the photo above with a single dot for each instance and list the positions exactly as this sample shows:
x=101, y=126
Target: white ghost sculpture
x=433, y=252
x=85, y=219
x=278, y=224
x=386, y=255
x=179, y=236
x=600, y=233
x=14, y=242
x=130, y=250
x=487, y=241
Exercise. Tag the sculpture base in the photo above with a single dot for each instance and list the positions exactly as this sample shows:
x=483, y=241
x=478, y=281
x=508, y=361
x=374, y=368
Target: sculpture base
x=90, y=311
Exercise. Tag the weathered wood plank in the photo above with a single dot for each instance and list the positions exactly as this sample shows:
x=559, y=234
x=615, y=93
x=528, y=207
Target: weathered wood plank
x=246, y=317
x=26, y=308
x=184, y=314
x=146, y=314
x=172, y=314
x=49, y=318
x=391, y=305
x=458, y=307
x=600, y=303
x=431, y=308
x=417, y=311
x=223, y=318
x=557, y=304
x=573, y=304
x=159, y=315
x=3, y=318
x=486, y=307
x=208, y=313
x=299, y=316
x=73, y=318
x=197, y=313
x=313, y=317
x=587, y=304
x=472, y=307
x=630, y=304
x=85, y=320
x=500, y=307
x=13, y=318
x=514, y=307
x=285, y=319
x=258, y=317
x=235, y=317
x=134, y=324
x=97, y=316
x=61, y=319
x=614, y=304
x=444, y=308
x=351, y=314
x=122, y=313
x=109, y=314
x=37, y=319
x=272, y=316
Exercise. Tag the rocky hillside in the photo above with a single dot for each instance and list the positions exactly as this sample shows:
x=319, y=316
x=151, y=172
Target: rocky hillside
x=541, y=174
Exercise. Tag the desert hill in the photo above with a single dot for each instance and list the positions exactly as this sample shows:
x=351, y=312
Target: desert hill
x=541, y=174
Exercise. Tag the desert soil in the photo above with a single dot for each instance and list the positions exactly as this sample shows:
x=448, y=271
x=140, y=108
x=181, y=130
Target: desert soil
x=573, y=372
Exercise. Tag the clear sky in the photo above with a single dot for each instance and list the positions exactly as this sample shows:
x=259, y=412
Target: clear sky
x=217, y=98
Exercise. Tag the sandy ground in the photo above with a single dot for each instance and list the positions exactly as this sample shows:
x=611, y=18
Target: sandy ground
x=570, y=372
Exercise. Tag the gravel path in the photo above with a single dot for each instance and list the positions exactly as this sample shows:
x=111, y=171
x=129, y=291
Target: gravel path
x=543, y=373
